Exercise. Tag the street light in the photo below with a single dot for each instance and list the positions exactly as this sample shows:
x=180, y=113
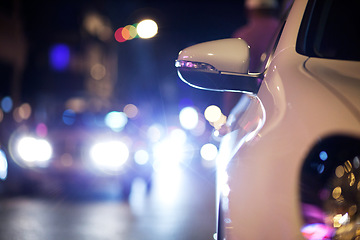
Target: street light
x=147, y=28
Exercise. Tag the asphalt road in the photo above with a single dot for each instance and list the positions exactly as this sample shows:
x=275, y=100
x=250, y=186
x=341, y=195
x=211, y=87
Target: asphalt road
x=179, y=207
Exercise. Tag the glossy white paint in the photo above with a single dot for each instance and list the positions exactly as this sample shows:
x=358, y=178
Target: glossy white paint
x=218, y=54
x=300, y=101
x=300, y=105
x=341, y=77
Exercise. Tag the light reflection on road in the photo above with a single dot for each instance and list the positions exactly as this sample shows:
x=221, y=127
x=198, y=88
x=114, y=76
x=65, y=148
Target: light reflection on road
x=180, y=207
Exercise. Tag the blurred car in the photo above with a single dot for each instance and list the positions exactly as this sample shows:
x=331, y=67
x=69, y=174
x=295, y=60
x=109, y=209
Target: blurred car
x=77, y=153
x=289, y=166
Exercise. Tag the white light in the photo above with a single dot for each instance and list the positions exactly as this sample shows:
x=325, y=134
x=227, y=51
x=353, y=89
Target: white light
x=33, y=150
x=189, y=118
x=45, y=150
x=344, y=219
x=177, y=137
x=26, y=149
x=109, y=156
x=171, y=151
x=209, y=152
x=3, y=165
x=147, y=28
x=141, y=157
x=167, y=156
x=116, y=120
x=212, y=113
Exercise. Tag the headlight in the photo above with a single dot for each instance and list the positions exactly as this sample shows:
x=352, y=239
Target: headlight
x=34, y=151
x=109, y=156
x=330, y=190
x=172, y=151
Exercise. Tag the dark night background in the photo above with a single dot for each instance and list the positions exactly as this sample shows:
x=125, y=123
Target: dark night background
x=145, y=67
x=140, y=72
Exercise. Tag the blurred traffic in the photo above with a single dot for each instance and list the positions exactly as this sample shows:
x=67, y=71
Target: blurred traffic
x=91, y=102
x=91, y=108
x=78, y=150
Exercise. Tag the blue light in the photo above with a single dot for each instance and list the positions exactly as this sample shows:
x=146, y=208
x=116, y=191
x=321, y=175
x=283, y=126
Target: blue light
x=320, y=168
x=323, y=156
x=6, y=104
x=59, y=57
x=69, y=117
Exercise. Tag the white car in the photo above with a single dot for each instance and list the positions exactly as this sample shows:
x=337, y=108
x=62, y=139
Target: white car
x=289, y=166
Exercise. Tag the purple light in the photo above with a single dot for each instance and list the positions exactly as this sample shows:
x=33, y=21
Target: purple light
x=317, y=231
x=41, y=130
x=189, y=64
x=315, y=227
x=59, y=57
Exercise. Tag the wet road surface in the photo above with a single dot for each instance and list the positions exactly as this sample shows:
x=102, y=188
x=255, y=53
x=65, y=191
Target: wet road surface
x=179, y=207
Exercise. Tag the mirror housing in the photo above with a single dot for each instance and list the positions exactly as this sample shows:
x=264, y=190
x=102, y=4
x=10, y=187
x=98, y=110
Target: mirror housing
x=220, y=65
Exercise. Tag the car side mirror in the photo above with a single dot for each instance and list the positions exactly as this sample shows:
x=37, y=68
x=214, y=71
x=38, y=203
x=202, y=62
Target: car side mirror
x=220, y=65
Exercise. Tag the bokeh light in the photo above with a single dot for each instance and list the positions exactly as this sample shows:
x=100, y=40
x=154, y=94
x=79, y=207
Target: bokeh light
x=178, y=136
x=209, y=152
x=188, y=118
x=98, y=71
x=41, y=130
x=126, y=33
x=167, y=156
x=33, y=150
x=7, y=104
x=171, y=151
x=212, y=113
x=116, y=120
x=66, y=160
x=130, y=32
x=25, y=111
x=131, y=110
x=98, y=25
x=59, y=57
x=109, y=156
x=141, y=157
x=119, y=36
x=22, y=113
x=155, y=132
x=69, y=117
x=147, y=28
x=220, y=122
x=215, y=117
x=77, y=104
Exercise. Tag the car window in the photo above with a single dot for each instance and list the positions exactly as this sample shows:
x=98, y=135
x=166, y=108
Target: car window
x=330, y=29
